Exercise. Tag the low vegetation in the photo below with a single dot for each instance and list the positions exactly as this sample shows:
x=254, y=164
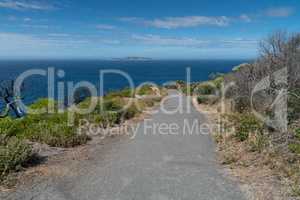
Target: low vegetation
x=54, y=130
x=14, y=154
x=244, y=139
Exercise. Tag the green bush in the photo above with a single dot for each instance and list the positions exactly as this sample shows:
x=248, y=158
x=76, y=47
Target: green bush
x=146, y=90
x=105, y=119
x=14, y=154
x=130, y=112
x=208, y=99
x=218, y=82
x=248, y=124
x=185, y=90
x=205, y=89
x=113, y=104
x=126, y=92
x=52, y=129
x=245, y=124
x=44, y=103
x=7, y=126
x=202, y=99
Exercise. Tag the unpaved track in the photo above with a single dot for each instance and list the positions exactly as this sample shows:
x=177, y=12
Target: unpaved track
x=149, y=167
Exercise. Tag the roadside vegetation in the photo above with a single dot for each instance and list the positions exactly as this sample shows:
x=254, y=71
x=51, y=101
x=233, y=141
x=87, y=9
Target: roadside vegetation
x=18, y=134
x=254, y=148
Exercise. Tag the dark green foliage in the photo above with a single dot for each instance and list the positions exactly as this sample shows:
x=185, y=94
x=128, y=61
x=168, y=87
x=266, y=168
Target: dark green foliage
x=14, y=153
x=187, y=90
x=130, y=112
x=6, y=126
x=146, y=90
x=205, y=89
x=126, y=92
x=248, y=124
x=105, y=119
x=51, y=129
x=202, y=99
x=44, y=104
x=245, y=124
x=218, y=82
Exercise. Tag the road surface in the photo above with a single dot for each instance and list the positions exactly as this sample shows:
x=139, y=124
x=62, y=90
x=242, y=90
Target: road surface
x=155, y=165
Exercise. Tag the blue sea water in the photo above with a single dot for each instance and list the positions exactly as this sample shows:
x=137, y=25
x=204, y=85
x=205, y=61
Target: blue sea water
x=88, y=70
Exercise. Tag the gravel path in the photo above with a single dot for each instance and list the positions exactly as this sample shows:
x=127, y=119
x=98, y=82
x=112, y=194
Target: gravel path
x=152, y=166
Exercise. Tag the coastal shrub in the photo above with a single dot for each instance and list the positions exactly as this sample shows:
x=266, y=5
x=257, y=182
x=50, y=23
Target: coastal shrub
x=248, y=124
x=207, y=99
x=187, y=90
x=55, y=135
x=245, y=124
x=106, y=119
x=146, y=90
x=130, y=112
x=53, y=130
x=126, y=92
x=218, y=82
x=44, y=103
x=202, y=99
x=205, y=89
x=112, y=104
x=81, y=94
x=14, y=153
x=7, y=126
x=148, y=102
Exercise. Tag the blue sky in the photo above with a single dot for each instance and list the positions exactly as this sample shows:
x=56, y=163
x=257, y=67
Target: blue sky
x=161, y=29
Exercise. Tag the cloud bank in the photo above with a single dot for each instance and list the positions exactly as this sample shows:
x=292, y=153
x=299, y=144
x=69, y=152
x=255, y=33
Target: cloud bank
x=157, y=40
x=180, y=22
x=25, y=5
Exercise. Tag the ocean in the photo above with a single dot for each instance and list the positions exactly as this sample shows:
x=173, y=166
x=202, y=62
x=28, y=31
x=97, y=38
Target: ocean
x=75, y=71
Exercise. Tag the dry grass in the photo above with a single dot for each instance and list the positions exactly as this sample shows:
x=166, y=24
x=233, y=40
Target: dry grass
x=264, y=172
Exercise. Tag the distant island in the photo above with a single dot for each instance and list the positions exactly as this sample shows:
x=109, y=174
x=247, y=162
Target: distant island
x=133, y=58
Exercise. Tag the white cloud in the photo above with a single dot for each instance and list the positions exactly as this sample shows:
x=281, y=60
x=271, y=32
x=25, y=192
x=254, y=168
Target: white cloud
x=192, y=21
x=180, y=22
x=158, y=40
x=280, y=12
x=245, y=18
x=25, y=5
x=11, y=42
x=167, y=41
x=105, y=27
